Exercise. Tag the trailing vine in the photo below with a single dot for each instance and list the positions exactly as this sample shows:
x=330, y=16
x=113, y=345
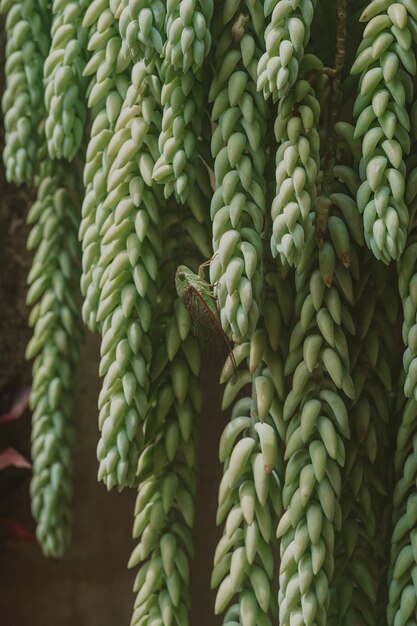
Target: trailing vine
x=274, y=143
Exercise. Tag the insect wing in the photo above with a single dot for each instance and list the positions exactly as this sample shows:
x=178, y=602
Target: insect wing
x=210, y=335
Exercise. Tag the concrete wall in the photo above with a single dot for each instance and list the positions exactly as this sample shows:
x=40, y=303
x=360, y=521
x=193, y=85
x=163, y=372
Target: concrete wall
x=91, y=586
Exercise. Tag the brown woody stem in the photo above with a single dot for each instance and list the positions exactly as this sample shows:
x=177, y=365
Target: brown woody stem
x=335, y=95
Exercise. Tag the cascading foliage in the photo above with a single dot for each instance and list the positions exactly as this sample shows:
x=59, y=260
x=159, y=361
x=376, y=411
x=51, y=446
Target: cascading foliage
x=284, y=132
x=55, y=318
x=28, y=40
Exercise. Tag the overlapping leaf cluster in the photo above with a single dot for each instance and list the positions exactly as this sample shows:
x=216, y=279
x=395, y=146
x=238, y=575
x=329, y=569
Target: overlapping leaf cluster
x=285, y=132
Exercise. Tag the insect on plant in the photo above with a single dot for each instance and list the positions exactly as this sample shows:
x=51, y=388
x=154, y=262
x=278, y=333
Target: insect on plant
x=198, y=298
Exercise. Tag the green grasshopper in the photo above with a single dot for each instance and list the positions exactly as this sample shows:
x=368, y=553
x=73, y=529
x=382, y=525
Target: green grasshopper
x=198, y=298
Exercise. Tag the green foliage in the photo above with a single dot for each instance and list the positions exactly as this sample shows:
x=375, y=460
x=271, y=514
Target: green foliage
x=55, y=318
x=285, y=132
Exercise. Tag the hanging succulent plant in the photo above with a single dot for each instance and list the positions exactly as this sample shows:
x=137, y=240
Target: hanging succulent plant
x=284, y=132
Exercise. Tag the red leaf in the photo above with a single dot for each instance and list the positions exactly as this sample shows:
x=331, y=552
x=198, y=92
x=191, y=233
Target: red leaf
x=19, y=407
x=16, y=531
x=12, y=458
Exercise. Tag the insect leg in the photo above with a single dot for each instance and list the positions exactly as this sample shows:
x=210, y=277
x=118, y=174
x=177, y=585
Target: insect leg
x=205, y=264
